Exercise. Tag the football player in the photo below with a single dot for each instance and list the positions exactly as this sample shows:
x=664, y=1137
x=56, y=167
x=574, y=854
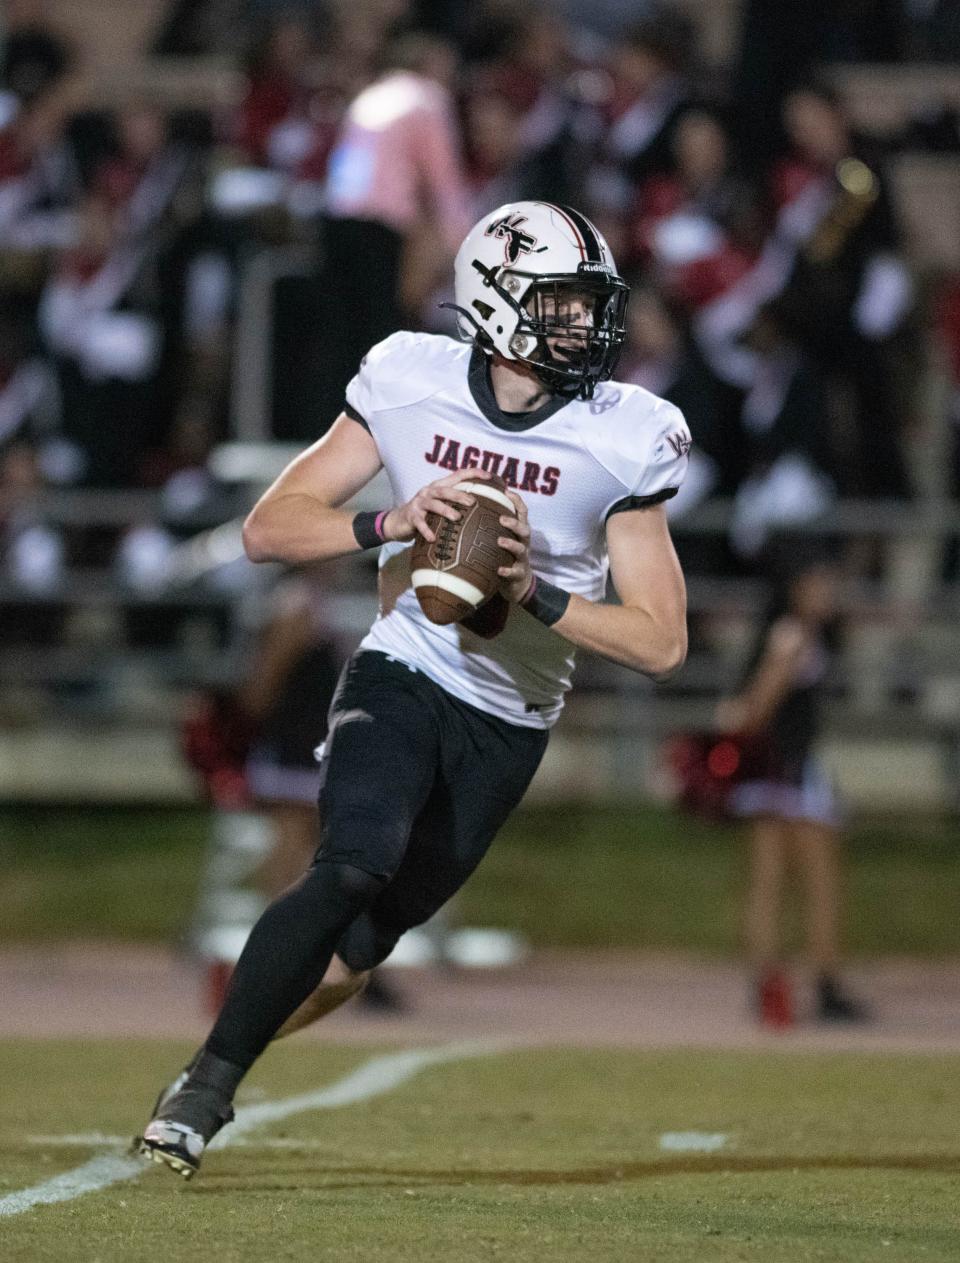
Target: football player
x=436, y=731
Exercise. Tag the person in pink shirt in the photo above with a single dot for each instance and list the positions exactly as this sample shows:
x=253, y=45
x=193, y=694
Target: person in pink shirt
x=397, y=160
x=395, y=177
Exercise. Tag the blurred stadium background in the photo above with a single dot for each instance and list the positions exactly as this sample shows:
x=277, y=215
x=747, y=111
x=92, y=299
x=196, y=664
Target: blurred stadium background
x=780, y=183
x=180, y=310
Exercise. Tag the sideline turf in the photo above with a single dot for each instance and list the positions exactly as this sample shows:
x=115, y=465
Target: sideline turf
x=663, y=881
x=528, y=1156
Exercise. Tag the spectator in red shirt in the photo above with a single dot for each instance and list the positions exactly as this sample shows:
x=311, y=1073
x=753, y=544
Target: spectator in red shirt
x=141, y=180
x=39, y=178
x=98, y=317
x=680, y=222
x=276, y=88
x=633, y=128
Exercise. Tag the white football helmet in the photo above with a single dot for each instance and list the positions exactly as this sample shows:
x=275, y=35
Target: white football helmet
x=537, y=283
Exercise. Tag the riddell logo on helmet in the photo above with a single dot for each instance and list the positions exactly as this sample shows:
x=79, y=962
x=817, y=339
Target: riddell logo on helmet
x=516, y=241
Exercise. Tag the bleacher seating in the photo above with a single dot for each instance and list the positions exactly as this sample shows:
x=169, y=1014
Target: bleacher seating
x=107, y=33
x=927, y=188
x=883, y=99
x=882, y=694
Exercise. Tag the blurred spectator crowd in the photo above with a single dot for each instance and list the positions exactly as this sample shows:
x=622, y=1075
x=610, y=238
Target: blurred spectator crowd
x=772, y=300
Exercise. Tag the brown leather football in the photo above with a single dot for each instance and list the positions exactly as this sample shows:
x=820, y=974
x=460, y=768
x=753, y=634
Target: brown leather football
x=457, y=573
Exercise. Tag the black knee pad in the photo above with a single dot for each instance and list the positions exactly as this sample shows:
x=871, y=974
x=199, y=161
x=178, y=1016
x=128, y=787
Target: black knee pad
x=366, y=944
x=351, y=887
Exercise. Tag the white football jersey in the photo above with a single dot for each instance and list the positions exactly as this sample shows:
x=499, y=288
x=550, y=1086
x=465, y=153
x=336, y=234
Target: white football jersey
x=429, y=406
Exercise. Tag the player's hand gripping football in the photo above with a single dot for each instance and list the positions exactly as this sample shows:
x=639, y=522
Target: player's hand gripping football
x=408, y=520
x=516, y=578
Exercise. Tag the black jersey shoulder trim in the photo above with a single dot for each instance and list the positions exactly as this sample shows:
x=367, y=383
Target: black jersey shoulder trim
x=354, y=415
x=629, y=503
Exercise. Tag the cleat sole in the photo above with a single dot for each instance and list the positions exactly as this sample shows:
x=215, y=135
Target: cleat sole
x=164, y=1158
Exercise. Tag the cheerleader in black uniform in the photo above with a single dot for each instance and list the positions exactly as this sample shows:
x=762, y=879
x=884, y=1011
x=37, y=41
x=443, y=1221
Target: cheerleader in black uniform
x=790, y=803
x=287, y=694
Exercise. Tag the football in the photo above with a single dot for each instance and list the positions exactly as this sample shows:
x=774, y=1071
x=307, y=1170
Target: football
x=457, y=573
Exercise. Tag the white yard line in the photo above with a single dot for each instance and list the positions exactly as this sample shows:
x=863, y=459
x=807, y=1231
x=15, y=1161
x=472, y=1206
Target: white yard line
x=99, y=1172
x=100, y=1140
x=693, y=1141
x=374, y=1078
x=79, y=1140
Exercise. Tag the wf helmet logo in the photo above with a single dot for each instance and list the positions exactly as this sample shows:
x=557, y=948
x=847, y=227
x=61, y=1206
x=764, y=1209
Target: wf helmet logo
x=516, y=241
x=680, y=442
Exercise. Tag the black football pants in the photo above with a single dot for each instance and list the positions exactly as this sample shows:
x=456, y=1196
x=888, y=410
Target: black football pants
x=415, y=785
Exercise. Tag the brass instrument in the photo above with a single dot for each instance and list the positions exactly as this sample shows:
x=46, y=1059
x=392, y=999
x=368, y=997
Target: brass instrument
x=858, y=189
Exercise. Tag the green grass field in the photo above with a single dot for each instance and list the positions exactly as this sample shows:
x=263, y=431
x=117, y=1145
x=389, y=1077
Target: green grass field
x=663, y=881
x=529, y=1155
x=522, y=1155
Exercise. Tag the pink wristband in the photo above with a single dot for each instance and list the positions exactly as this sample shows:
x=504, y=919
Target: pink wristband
x=368, y=529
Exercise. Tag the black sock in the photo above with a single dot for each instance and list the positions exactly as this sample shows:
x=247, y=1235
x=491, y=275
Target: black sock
x=286, y=956
x=214, y=1072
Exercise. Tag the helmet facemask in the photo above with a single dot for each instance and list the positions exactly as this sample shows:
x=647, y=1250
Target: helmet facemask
x=571, y=330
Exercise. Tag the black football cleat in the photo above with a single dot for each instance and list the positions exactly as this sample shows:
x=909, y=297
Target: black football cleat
x=834, y=1004
x=189, y=1113
x=186, y=1123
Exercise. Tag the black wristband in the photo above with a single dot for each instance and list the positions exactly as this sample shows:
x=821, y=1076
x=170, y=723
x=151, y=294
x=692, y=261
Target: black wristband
x=368, y=529
x=545, y=601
